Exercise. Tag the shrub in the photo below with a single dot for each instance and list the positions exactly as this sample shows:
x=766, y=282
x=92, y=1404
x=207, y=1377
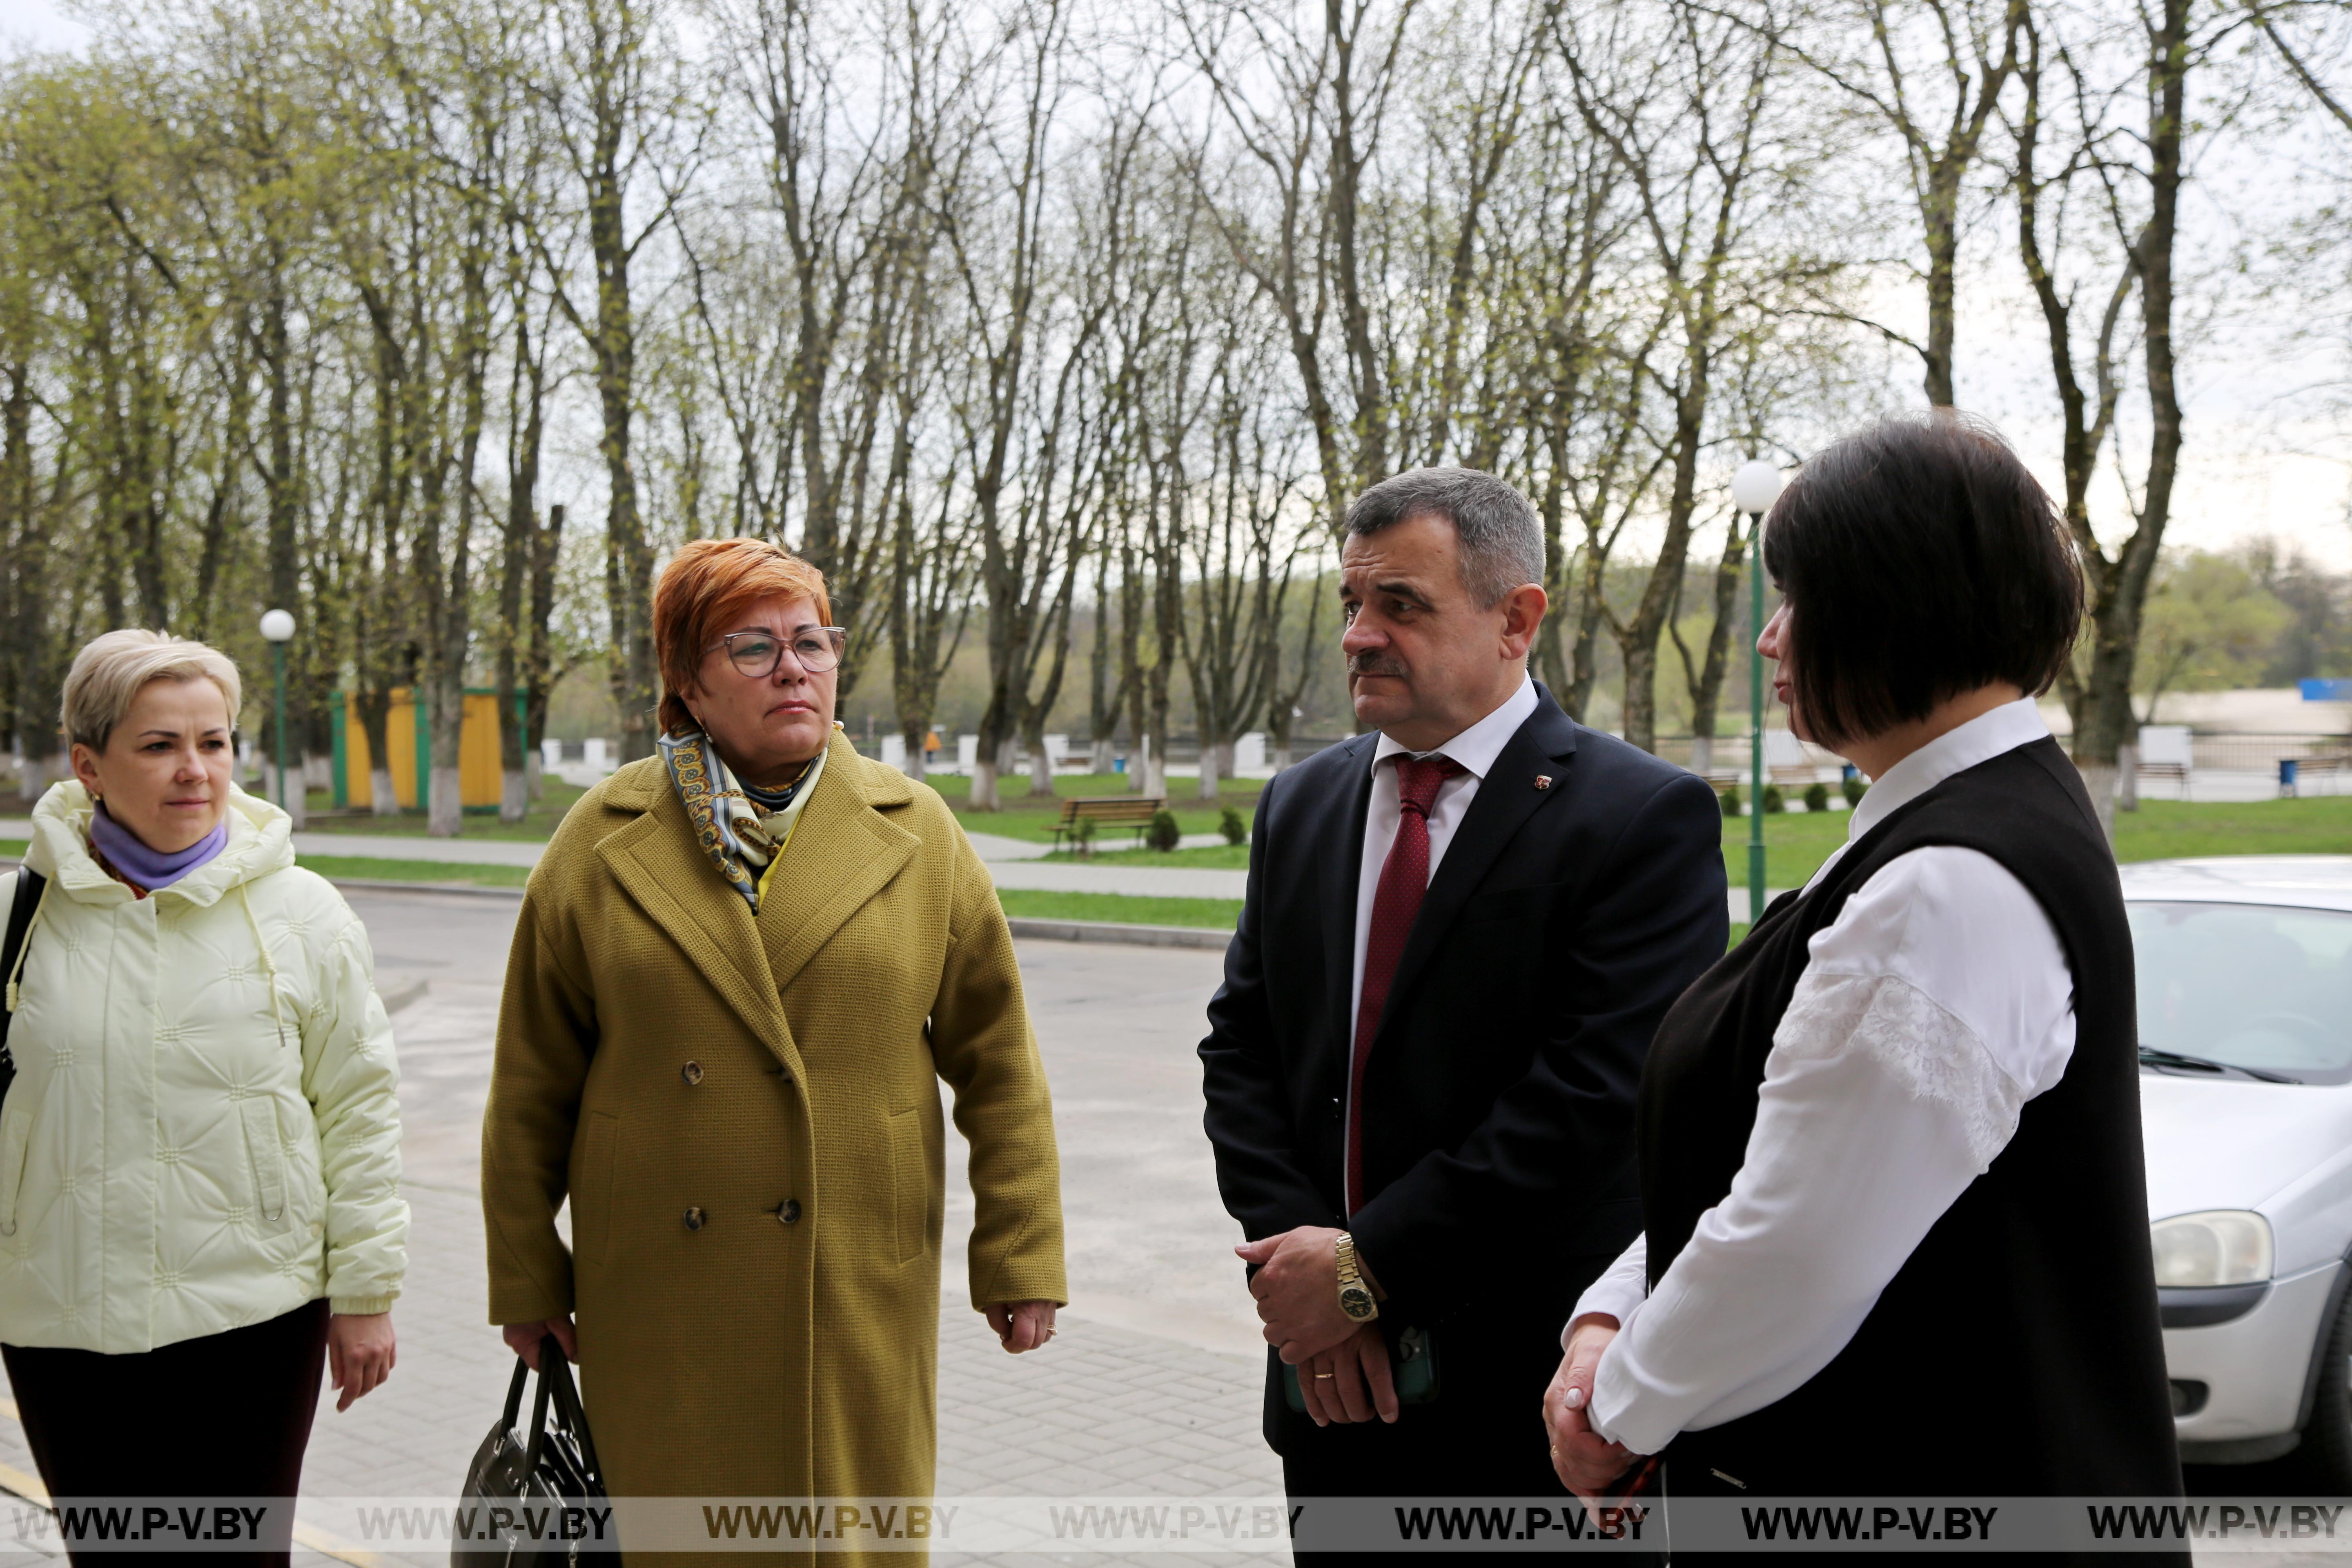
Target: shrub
x=1230, y=824
x=1731, y=799
x=1816, y=798
x=1082, y=836
x=1163, y=835
x=1854, y=788
x=1773, y=800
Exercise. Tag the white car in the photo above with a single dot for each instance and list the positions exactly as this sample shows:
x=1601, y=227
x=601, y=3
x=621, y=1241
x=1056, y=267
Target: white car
x=2245, y=1028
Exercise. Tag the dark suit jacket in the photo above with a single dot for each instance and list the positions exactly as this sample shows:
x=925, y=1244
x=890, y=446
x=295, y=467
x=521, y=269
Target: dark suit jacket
x=1499, y=1094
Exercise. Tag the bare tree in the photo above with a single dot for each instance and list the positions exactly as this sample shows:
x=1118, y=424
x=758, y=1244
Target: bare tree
x=1930, y=73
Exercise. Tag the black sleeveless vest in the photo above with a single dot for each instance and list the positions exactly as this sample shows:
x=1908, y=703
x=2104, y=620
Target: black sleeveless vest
x=2017, y=1352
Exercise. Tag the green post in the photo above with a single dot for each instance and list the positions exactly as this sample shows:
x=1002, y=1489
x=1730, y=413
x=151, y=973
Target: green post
x=279, y=649
x=341, y=742
x=1756, y=720
x=424, y=733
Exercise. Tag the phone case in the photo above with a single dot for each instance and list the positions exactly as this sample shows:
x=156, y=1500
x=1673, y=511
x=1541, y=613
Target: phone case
x=1413, y=1362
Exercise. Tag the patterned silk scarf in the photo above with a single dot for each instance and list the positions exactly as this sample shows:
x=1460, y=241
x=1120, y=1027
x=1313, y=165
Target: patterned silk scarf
x=740, y=839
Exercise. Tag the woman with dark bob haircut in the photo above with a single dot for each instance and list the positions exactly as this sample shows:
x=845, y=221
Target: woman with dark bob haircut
x=1896, y=1224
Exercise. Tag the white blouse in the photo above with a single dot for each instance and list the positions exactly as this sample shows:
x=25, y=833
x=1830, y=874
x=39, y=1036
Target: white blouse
x=1932, y=1009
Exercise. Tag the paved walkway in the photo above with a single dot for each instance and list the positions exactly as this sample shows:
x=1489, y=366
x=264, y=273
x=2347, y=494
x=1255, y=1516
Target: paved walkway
x=1151, y=1387
x=1013, y=863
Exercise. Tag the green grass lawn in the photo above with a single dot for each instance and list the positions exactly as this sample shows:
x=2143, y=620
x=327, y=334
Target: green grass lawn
x=1212, y=858
x=1033, y=816
x=367, y=869
x=539, y=824
x=1217, y=914
x=1795, y=845
x=1797, y=842
x=2172, y=829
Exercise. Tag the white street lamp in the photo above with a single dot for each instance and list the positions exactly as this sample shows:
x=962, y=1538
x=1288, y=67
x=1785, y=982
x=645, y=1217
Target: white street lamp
x=1754, y=488
x=278, y=630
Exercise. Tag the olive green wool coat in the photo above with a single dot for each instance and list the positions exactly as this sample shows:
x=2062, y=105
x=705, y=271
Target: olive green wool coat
x=664, y=1053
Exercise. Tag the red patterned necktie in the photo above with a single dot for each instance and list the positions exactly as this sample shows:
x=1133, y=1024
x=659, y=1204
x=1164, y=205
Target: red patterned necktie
x=1405, y=878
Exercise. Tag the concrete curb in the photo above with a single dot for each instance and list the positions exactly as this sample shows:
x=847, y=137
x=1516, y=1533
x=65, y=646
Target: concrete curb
x=1109, y=931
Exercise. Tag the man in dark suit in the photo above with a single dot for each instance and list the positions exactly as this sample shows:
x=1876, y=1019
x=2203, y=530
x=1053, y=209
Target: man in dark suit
x=1459, y=934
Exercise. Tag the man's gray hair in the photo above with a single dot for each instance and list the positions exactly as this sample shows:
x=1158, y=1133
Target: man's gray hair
x=1502, y=540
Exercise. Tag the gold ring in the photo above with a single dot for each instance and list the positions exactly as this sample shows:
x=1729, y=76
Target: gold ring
x=1323, y=1374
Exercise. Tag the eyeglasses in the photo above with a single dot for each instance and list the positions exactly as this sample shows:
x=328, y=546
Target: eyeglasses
x=815, y=649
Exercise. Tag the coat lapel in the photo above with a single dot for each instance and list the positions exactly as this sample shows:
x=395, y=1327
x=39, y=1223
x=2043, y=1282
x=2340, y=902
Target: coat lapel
x=843, y=852
x=1339, y=859
x=657, y=862
x=1508, y=796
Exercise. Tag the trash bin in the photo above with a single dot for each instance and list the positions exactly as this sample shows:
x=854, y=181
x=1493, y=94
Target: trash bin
x=2288, y=768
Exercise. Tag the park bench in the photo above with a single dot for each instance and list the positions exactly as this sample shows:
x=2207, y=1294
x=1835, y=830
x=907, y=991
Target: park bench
x=1107, y=811
x=2330, y=763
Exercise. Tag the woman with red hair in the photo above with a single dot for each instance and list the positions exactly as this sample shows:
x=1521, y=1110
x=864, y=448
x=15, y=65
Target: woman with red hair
x=740, y=972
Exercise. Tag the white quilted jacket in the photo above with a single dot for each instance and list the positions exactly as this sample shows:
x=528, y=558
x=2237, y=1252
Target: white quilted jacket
x=184, y=1152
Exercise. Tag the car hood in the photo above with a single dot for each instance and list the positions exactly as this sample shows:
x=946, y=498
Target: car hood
x=2282, y=1149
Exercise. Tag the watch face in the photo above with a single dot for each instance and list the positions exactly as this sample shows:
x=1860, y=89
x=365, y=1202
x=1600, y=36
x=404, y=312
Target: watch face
x=1357, y=1302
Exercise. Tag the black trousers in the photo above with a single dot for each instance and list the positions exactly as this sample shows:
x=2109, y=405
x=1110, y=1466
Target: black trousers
x=1483, y=1437
x=114, y=1426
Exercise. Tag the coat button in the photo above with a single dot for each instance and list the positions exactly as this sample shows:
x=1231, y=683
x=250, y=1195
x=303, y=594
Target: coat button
x=691, y=1072
x=693, y=1219
x=788, y=1211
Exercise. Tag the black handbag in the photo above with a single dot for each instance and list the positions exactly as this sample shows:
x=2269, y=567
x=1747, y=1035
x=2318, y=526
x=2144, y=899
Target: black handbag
x=535, y=1501
x=29, y=884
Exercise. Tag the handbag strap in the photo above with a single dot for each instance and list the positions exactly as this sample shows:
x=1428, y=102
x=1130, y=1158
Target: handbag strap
x=555, y=1377
x=533, y=1450
x=514, y=1392
x=21, y=909
x=569, y=1411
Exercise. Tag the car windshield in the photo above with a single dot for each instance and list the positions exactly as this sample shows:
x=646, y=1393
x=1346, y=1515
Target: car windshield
x=2264, y=989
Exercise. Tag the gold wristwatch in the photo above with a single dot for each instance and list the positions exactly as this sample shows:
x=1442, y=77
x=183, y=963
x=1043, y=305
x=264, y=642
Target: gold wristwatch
x=1355, y=1297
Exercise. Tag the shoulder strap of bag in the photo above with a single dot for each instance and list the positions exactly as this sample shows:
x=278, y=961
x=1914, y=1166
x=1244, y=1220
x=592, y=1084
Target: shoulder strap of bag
x=29, y=884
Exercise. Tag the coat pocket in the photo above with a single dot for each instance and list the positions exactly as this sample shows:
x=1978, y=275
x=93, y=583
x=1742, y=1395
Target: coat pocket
x=592, y=1194
x=16, y=1147
x=266, y=1156
x=911, y=1185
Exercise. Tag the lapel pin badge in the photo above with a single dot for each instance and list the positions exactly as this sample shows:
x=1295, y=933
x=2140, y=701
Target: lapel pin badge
x=1543, y=780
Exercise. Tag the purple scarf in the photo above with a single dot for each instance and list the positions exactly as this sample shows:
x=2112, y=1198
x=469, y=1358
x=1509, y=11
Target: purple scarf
x=128, y=854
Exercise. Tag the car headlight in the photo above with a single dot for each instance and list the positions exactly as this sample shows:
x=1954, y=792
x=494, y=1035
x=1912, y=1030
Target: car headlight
x=2219, y=1247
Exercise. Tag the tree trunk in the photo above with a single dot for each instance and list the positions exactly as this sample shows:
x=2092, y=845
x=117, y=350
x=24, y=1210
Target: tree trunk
x=984, y=780
x=2105, y=722
x=37, y=675
x=374, y=709
x=1041, y=765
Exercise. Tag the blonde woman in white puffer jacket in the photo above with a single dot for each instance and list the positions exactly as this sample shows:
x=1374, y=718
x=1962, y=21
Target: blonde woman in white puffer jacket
x=199, y=1156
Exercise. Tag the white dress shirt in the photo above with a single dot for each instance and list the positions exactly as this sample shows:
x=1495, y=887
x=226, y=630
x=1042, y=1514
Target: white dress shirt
x=1936, y=1004
x=1475, y=749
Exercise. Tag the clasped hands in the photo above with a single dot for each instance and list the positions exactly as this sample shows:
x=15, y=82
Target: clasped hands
x=1343, y=1366
x=1586, y=1463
